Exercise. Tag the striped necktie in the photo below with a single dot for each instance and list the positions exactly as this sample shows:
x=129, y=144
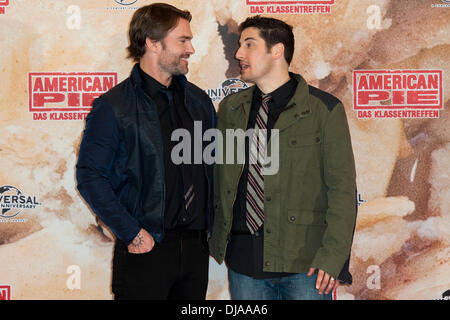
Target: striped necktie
x=255, y=185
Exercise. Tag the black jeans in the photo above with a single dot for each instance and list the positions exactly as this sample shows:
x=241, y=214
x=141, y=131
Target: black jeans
x=176, y=269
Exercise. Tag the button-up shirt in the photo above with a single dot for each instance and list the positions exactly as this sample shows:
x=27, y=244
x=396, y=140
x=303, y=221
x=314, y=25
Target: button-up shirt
x=175, y=217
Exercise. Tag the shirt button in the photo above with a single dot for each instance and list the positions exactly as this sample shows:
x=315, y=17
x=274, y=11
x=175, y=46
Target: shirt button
x=292, y=218
x=268, y=198
x=268, y=231
x=267, y=264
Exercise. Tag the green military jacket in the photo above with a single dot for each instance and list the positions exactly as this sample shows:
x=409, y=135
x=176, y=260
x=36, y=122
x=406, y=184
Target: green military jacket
x=310, y=203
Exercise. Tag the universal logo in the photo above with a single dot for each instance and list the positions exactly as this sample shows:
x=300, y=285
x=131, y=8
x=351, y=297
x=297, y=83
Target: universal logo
x=123, y=5
x=12, y=203
x=126, y=2
x=227, y=87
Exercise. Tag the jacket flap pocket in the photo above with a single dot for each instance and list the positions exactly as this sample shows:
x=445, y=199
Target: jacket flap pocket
x=306, y=217
x=304, y=140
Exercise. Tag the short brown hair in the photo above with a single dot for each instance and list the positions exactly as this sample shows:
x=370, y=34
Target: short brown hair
x=272, y=31
x=152, y=21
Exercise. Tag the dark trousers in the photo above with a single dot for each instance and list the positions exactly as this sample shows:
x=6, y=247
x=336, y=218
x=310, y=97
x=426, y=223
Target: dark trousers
x=176, y=269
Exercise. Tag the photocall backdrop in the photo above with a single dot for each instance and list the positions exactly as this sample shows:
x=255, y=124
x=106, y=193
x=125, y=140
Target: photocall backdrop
x=387, y=61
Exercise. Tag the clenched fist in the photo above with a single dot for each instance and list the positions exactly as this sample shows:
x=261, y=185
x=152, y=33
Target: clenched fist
x=142, y=243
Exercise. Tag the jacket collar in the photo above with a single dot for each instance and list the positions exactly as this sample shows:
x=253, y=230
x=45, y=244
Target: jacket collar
x=297, y=108
x=137, y=79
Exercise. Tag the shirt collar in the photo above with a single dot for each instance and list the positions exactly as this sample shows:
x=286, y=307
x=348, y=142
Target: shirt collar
x=281, y=95
x=153, y=86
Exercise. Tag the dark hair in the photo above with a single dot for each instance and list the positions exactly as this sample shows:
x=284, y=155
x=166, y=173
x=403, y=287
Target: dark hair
x=152, y=21
x=272, y=31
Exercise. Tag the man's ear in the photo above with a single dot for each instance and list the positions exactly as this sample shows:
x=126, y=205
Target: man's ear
x=278, y=50
x=152, y=45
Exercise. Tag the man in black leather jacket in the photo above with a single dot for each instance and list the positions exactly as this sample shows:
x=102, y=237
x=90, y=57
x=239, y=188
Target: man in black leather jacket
x=160, y=211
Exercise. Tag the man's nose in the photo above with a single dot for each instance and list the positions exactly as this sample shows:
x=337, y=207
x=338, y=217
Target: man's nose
x=190, y=48
x=238, y=54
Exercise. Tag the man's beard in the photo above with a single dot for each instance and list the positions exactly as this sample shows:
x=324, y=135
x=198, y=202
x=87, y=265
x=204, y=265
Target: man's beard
x=171, y=63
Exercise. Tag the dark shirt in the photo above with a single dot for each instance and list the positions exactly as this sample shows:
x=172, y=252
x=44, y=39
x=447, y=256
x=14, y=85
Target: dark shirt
x=244, y=251
x=175, y=216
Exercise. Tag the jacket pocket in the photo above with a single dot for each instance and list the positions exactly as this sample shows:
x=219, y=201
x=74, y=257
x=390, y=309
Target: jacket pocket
x=304, y=152
x=306, y=217
x=304, y=140
x=302, y=235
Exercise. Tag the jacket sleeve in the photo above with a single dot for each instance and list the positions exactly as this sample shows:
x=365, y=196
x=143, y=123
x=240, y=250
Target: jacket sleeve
x=340, y=180
x=96, y=158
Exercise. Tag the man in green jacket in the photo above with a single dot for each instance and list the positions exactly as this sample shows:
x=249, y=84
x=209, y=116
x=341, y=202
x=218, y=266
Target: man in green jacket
x=284, y=233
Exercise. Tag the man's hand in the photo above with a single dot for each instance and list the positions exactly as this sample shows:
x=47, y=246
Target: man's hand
x=324, y=280
x=142, y=243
